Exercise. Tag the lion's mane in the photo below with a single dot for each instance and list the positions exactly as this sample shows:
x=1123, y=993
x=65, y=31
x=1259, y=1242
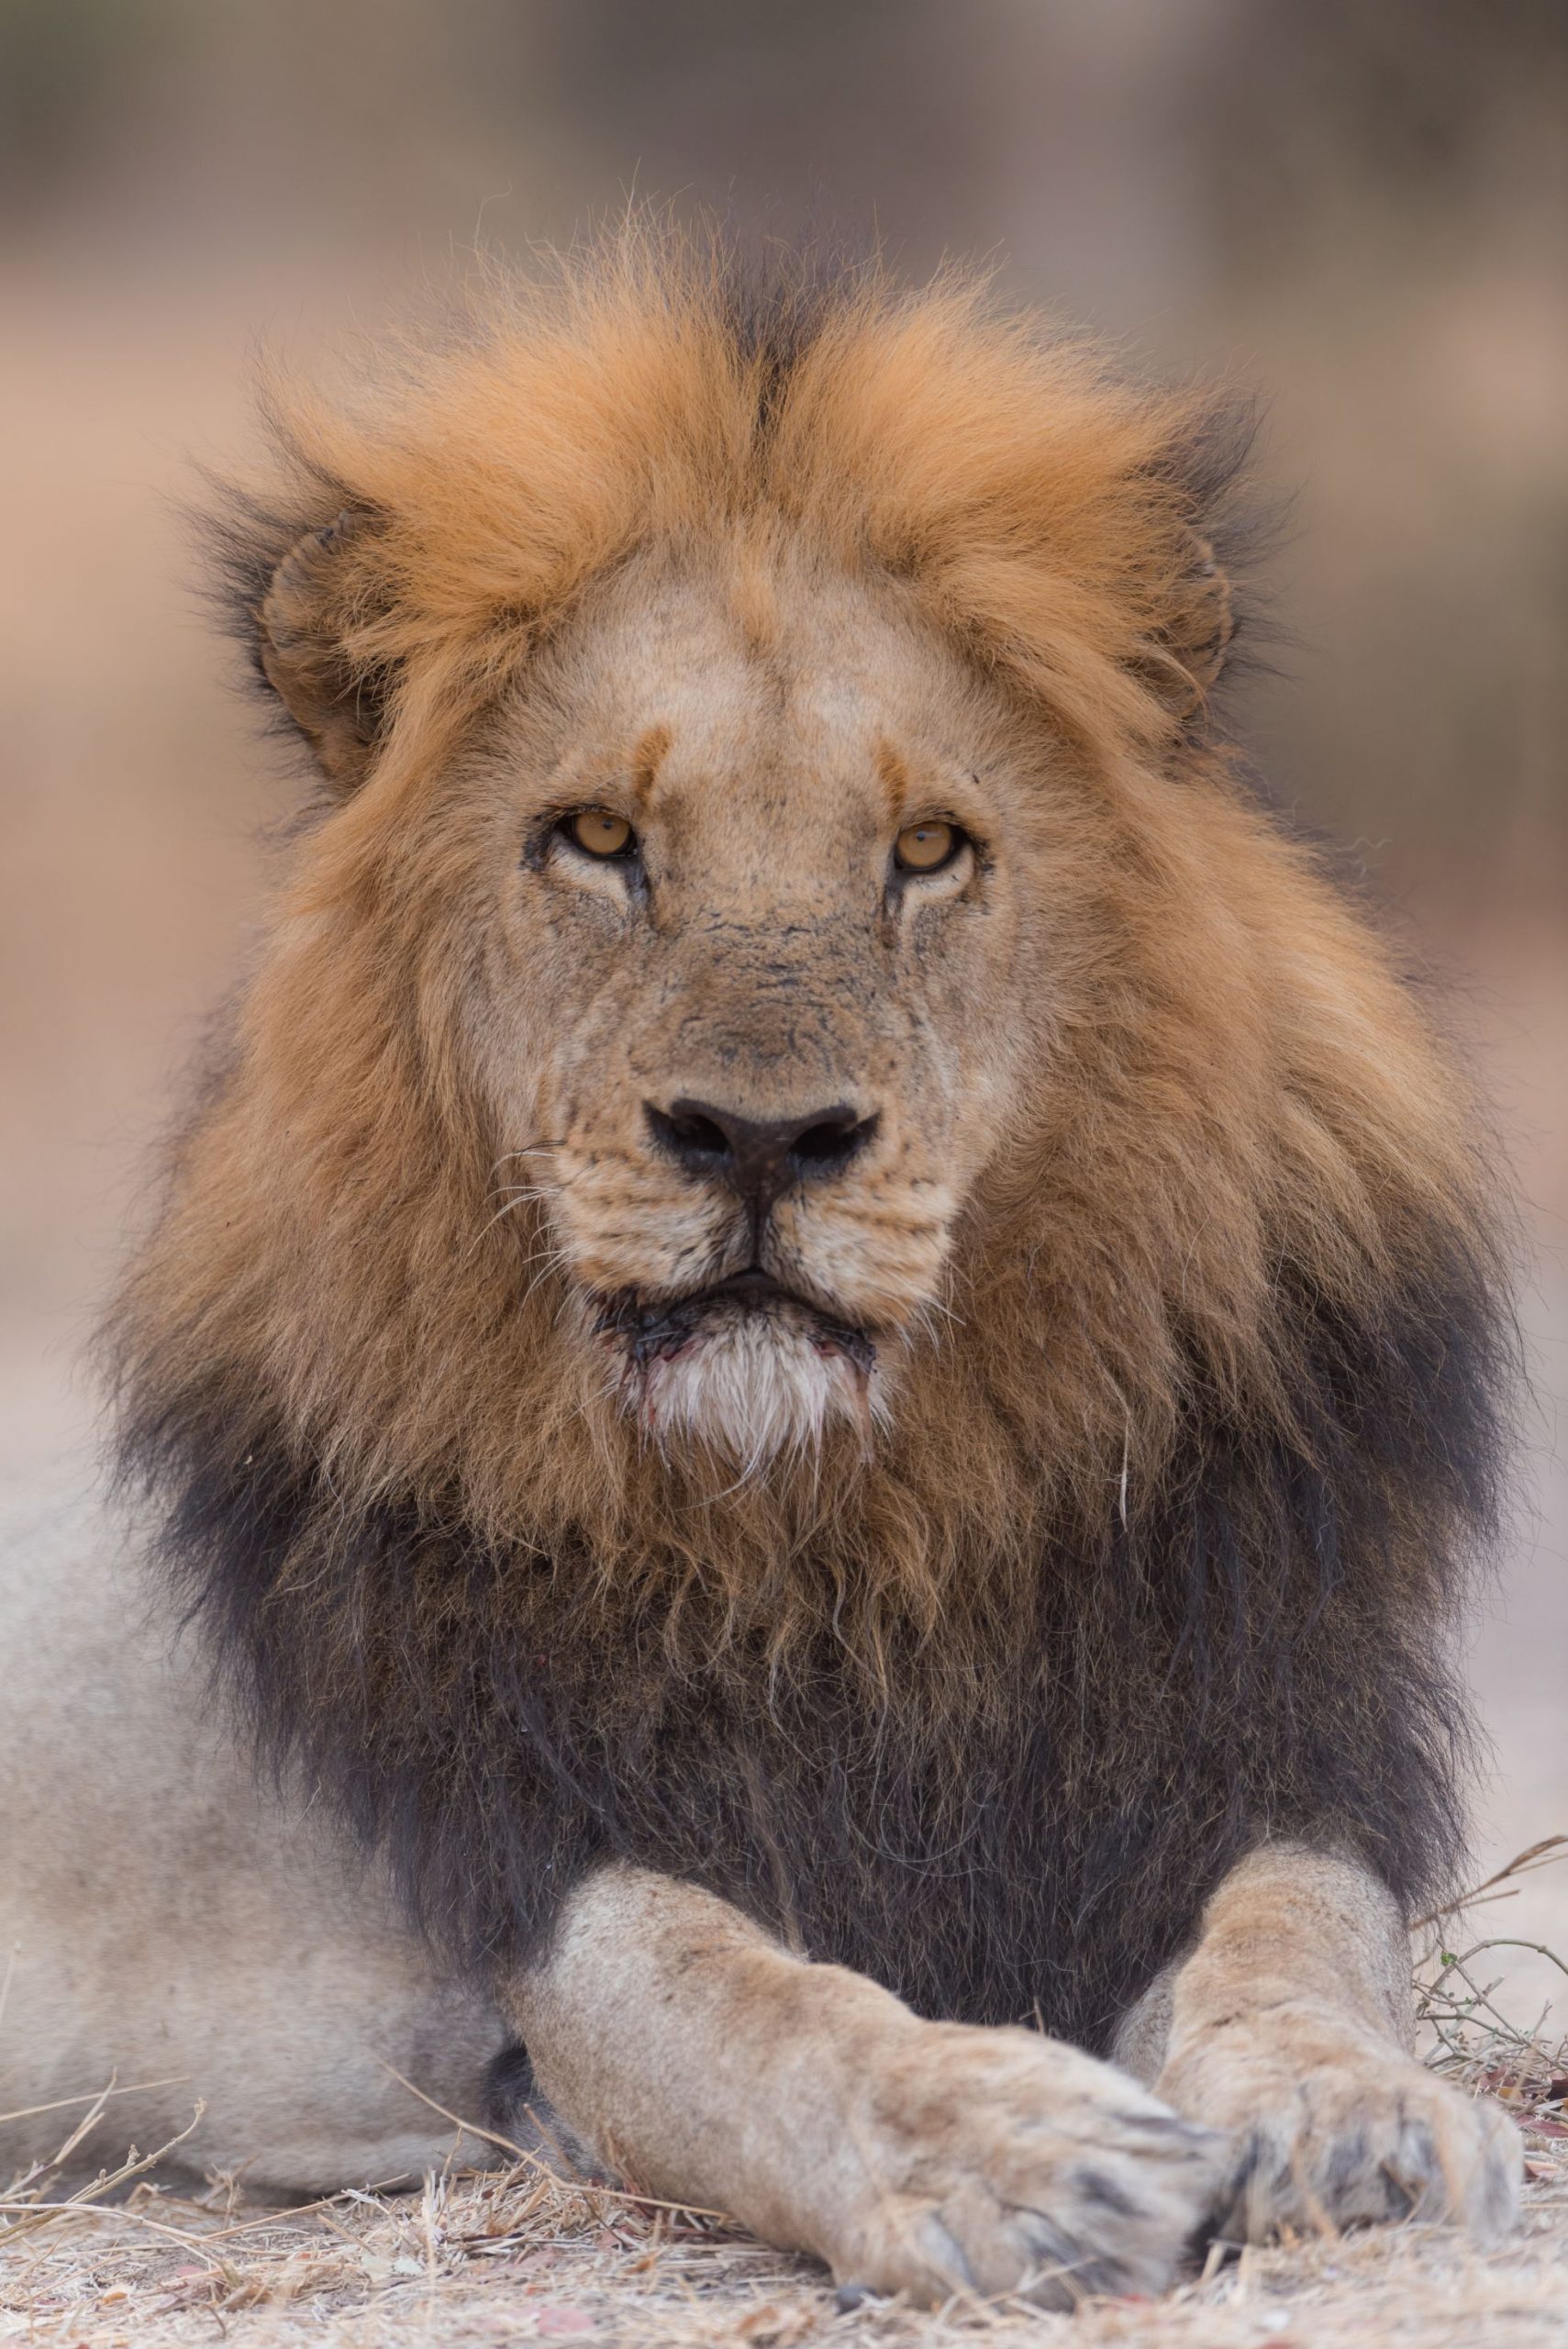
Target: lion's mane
x=1161, y=1550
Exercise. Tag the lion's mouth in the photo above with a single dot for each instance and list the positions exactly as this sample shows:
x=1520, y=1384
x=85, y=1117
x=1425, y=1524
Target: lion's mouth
x=745, y=1365
x=654, y=1329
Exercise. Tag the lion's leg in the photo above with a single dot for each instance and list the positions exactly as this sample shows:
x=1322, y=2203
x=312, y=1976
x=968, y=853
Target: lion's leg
x=1291, y=2023
x=699, y=2059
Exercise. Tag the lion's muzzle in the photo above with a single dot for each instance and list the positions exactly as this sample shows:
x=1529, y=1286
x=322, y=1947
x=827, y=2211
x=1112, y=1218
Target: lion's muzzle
x=750, y=1360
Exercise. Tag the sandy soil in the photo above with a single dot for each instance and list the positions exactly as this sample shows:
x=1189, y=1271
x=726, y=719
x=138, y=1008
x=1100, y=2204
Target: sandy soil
x=517, y=2257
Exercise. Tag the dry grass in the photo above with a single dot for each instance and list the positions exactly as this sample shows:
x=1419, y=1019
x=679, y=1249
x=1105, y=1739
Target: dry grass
x=514, y=2255
x=519, y=2253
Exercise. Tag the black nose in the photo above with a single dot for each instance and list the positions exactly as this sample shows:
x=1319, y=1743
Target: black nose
x=757, y=1157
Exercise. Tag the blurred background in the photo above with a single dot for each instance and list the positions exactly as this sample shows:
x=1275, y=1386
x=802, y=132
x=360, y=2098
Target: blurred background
x=1360, y=207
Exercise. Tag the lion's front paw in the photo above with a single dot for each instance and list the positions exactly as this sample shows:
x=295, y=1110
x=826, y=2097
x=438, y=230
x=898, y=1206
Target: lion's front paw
x=1335, y=2127
x=1000, y=2162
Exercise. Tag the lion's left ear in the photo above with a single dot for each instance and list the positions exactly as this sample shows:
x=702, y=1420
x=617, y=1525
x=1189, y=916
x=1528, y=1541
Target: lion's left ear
x=1188, y=652
x=318, y=598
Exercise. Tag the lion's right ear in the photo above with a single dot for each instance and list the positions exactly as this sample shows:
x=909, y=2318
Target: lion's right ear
x=305, y=622
x=1184, y=659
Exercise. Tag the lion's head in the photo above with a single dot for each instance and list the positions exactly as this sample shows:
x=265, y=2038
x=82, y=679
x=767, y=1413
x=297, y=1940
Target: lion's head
x=720, y=865
x=792, y=1086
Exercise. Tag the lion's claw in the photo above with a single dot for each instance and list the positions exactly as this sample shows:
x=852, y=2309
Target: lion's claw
x=1001, y=2162
x=1336, y=2127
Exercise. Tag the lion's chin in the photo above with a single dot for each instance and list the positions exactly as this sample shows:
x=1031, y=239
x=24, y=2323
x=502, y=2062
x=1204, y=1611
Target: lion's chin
x=749, y=1376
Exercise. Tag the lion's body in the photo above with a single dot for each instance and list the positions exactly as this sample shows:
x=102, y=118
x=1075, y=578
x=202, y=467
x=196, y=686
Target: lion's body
x=175, y=1931
x=1075, y=1491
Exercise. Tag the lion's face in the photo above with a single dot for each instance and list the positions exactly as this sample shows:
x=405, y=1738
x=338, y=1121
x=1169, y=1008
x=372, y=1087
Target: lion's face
x=760, y=852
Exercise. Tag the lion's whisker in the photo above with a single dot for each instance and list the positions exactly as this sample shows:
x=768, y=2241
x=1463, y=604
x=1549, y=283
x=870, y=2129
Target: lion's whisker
x=528, y=1150
x=508, y=1207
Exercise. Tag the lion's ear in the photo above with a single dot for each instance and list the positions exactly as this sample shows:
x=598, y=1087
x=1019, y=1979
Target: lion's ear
x=306, y=624
x=1189, y=650
x=1203, y=622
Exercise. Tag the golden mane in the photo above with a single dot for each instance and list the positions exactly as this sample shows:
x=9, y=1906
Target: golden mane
x=1044, y=507
x=1221, y=1379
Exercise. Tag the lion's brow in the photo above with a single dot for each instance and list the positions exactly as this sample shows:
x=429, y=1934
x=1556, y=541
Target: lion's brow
x=648, y=755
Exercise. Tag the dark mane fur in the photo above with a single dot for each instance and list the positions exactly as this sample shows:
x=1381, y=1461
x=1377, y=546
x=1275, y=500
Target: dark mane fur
x=1242, y=1658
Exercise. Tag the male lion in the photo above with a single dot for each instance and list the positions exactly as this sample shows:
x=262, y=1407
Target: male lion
x=824, y=1351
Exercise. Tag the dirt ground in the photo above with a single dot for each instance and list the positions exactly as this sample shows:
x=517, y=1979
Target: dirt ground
x=513, y=2252
x=477, y=2259
x=461, y=2267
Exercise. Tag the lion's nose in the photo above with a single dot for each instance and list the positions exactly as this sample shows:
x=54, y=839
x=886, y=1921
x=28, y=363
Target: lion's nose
x=758, y=1158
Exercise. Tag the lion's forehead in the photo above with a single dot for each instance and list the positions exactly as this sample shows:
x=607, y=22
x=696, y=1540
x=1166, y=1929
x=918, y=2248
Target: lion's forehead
x=837, y=713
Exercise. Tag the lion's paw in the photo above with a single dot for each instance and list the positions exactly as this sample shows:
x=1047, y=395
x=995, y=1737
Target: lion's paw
x=998, y=2162
x=1334, y=2127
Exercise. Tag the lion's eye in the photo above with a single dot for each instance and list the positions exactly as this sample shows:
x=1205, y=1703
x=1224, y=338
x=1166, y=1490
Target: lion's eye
x=927, y=847
x=600, y=833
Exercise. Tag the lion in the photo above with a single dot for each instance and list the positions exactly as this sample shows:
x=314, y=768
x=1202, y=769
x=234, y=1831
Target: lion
x=824, y=1354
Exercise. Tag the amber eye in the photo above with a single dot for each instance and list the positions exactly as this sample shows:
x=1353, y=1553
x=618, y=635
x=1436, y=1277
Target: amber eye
x=599, y=833
x=927, y=847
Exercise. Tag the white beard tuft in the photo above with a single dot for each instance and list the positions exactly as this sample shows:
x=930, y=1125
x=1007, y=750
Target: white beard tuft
x=751, y=1384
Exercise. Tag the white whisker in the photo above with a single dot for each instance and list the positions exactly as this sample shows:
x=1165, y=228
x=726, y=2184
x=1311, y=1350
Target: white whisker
x=529, y=1150
x=507, y=1207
